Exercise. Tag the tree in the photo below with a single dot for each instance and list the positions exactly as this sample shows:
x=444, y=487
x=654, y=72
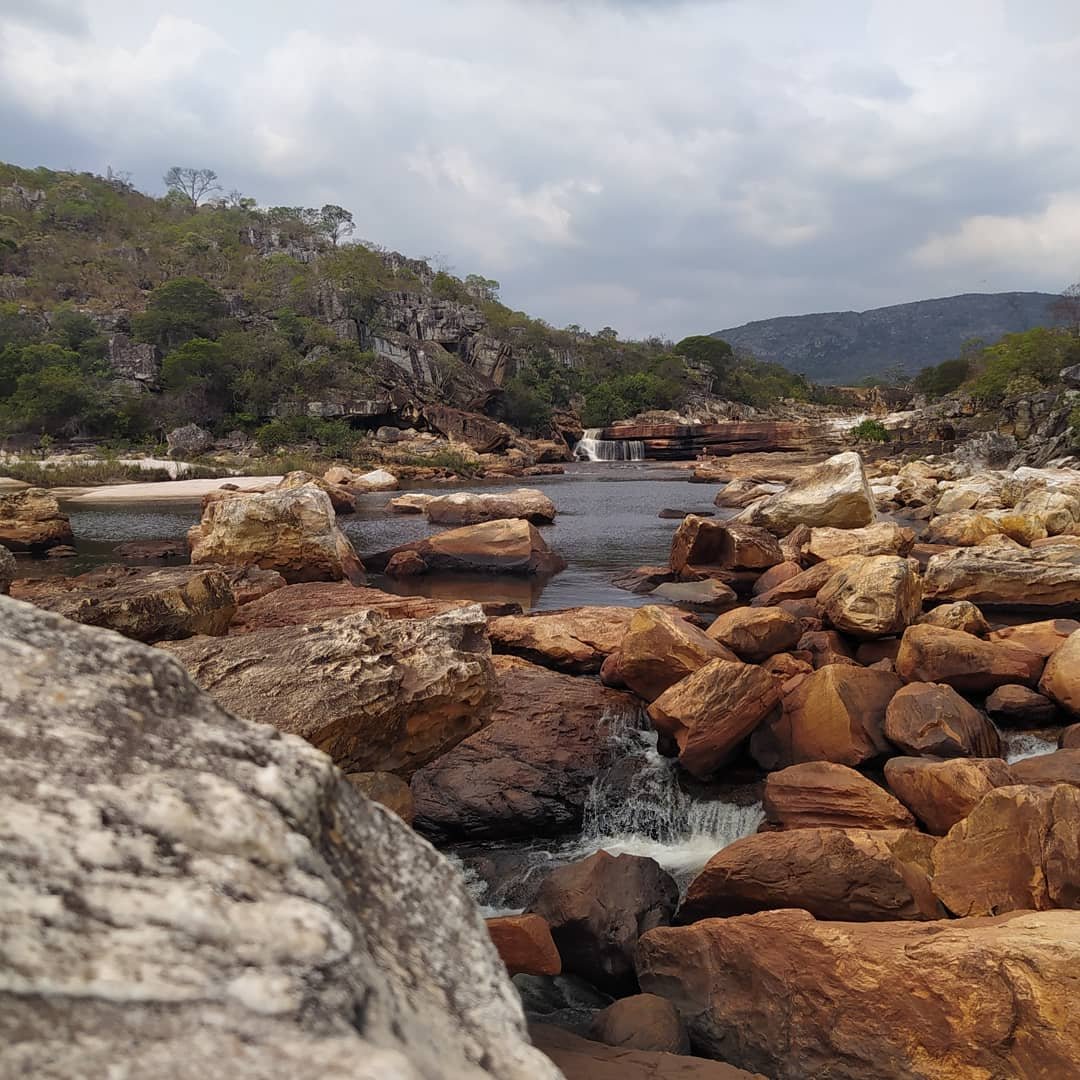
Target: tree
x=482, y=288
x=336, y=222
x=1066, y=309
x=712, y=353
x=192, y=184
x=179, y=310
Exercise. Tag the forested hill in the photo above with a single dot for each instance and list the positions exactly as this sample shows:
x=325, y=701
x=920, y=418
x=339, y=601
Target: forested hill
x=844, y=346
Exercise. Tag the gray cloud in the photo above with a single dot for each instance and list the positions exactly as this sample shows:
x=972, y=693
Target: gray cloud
x=66, y=17
x=655, y=165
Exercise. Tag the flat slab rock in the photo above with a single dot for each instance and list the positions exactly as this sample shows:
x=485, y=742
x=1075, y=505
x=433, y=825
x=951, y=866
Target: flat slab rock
x=184, y=889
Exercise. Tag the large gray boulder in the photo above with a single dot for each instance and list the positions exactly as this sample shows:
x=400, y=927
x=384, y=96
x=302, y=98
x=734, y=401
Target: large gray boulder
x=189, y=895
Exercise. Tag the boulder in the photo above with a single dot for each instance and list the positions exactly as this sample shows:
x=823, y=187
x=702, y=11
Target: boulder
x=791, y=997
x=851, y=874
x=598, y=908
x=934, y=720
x=480, y=433
x=1044, y=638
x=660, y=648
x=825, y=647
x=1017, y=849
x=528, y=772
x=145, y=604
x=776, y=575
x=404, y=564
x=708, y=595
x=1043, y=770
x=31, y=520
x=341, y=498
x=1007, y=577
x=878, y=597
x=7, y=570
x=642, y=1022
x=152, y=550
x=188, y=441
x=835, y=493
x=250, y=583
x=1024, y=529
x=291, y=530
x=873, y=652
x=575, y=640
x=963, y=528
x=386, y=789
x=960, y=615
x=507, y=546
x=470, y=508
x=187, y=894
x=784, y=666
x=881, y=538
x=377, y=694
x=701, y=544
x=712, y=712
x=1019, y=707
x=525, y=945
x=362, y=483
x=818, y=793
x=1070, y=738
x=583, y=1059
x=1057, y=511
x=934, y=654
x=411, y=503
x=1061, y=678
x=643, y=579
x=741, y=492
x=835, y=715
x=805, y=585
x=942, y=792
x=754, y=634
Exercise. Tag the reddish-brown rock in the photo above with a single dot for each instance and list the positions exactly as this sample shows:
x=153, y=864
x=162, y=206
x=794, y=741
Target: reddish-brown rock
x=820, y=793
x=660, y=648
x=403, y=564
x=774, y=576
x=877, y=597
x=598, y=908
x=1018, y=849
x=712, y=712
x=386, y=789
x=942, y=792
x=784, y=666
x=31, y=520
x=575, y=640
x=835, y=715
x=703, y=543
x=933, y=719
x=642, y=1022
x=1019, y=707
x=779, y=992
x=528, y=773
x=963, y=661
x=1060, y=767
x=754, y=634
x=881, y=538
x=1061, y=678
x=1070, y=738
x=959, y=615
x=833, y=873
x=525, y=945
x=805, y=585
x=825, y=647
x=1044, y=638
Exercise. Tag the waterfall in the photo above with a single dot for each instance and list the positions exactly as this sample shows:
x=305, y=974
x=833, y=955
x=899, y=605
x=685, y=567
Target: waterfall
x=592, y=448
x=1019, y=745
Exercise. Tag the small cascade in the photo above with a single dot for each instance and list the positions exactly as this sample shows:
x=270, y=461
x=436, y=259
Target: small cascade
x=592, y=448
x=1019, y=745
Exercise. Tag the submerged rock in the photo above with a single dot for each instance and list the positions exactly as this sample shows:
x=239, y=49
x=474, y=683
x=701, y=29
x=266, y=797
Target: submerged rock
x=229, y=901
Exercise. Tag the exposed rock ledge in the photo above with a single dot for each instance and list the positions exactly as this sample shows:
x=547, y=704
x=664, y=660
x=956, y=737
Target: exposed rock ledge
x=189, y=895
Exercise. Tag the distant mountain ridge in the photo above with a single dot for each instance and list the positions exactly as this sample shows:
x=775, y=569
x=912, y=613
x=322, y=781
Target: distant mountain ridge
x=844, y=346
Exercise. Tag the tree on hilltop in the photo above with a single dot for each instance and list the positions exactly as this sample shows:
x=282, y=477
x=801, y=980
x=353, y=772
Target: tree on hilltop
x=192, y=184
x=336, y=222
x=1066, y=309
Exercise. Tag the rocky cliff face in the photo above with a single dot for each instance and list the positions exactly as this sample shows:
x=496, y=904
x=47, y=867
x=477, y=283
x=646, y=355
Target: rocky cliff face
x=843, y=346
x=186, y=892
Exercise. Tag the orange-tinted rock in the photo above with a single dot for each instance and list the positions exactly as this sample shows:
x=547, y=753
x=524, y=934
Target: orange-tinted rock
x=832, y=873
x=342, y=500
x=826, y=647
x=31, y=520
x=835, y=715
x=942, y=792
x=962, y=528
x=405, y=564
x=713, y=711
x=871, y=652
x=1043, y=638
x=756, y=633
x=1019, y=707
x=1007, y=576
x=525, y=945
x=881, y=538
x=704, y=543
x=576, y=640
x=779, y=992
x=963, y=661
x=1060, y=767
x=1070, y=738
x=784, y=666
x=820, y=793
x=598, y=907
x=1018, y=849
x=386, y=789
x=805, y=585
x=959, y=615
x=642, y=1022
x=933, y=719
x=776, y=575
x=1061, y=678
x=528, y=772
x=877, y=597
x=660, y=648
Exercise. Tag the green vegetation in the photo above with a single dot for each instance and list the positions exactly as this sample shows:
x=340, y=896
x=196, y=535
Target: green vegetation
x=1017, y=364
x=92, y=473
x=870, y=431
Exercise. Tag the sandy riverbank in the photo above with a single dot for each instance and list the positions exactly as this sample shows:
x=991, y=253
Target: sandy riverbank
x=163, y=490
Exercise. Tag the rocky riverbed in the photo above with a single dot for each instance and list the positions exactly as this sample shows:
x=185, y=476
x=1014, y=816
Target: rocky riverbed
x=817, y=768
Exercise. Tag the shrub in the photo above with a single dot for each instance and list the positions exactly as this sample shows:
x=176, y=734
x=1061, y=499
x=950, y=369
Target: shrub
x=870, y=431
x=178, y=311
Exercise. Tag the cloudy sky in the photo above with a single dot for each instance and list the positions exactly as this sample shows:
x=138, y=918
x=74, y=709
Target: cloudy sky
x=661, y=166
